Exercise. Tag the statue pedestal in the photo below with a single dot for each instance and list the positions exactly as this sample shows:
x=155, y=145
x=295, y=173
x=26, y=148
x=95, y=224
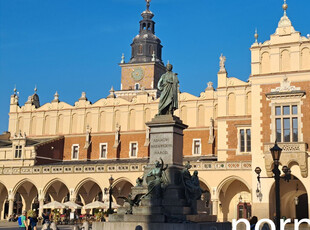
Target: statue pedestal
x=171, y=206
x=166, y=139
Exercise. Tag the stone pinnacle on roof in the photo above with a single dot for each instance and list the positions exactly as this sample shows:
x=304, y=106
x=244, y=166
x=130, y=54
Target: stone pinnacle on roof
x=256, y=35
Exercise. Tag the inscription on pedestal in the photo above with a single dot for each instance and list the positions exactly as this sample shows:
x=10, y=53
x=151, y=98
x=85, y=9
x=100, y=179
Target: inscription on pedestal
x=161, y=146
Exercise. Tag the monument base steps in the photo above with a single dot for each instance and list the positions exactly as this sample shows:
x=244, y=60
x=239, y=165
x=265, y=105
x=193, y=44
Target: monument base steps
x=160, y=226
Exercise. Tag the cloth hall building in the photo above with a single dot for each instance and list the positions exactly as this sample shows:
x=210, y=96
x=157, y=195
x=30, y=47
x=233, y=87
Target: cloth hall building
x=62, y=152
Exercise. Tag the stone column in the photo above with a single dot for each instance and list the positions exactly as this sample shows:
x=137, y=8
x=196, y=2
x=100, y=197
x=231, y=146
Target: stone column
x=41, y=203
x=215, y=203
x=11, y=204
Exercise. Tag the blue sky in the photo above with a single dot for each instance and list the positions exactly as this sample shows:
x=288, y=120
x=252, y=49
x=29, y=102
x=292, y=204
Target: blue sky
x=72, y=46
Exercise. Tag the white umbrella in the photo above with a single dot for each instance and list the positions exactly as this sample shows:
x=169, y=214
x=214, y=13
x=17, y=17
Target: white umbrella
x=70, y=204
x=95, y=204
x=54, y=204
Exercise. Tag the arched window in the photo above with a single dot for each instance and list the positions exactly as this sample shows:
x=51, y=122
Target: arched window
x=151, y=49
x=147, y=115
x=140, y=49
x=47, y=124
x=102, y=121
x=285, y=61
x=231, y=104
x=265, y=63
x=305, y=58
x=117, y=118
x=184, y=114
x=33, y=126
x=60, y=124
x=137, y=86
x=74, y=123
x=132, y=120
x=201, y=115
x=88, y=121
x=215, y=111
x=20, y=125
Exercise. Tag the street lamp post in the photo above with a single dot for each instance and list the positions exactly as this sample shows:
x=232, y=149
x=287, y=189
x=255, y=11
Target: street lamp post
x=111, y=180
x=276, y=153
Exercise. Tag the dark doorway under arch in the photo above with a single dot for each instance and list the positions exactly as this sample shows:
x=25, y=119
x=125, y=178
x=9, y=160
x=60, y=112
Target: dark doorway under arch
x=302, y=207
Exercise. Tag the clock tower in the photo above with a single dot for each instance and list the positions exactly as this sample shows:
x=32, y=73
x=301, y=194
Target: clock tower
x=145, y=67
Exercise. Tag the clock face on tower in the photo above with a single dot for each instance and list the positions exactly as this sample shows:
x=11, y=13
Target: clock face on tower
x=137, y=74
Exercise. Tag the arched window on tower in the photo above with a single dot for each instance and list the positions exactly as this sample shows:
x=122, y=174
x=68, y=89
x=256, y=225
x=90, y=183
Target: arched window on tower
x=140, y=49
x=137, y=86
x=151, y=49
x=143, y=26
x=149, y=26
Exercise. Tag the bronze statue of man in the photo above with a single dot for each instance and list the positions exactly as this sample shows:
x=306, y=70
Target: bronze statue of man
x=168, y=85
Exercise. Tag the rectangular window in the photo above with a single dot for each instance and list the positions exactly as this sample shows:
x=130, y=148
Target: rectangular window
x=242, y=138
x=18, y=151
x=245, y=140
x=75, y=152
x=278, y=129
x=278, y=110
x=295, y=129
x=248, y=140
x=286, y=129
x=103, y=150
x=133, y=149
x=196, y=147
x=286, y=123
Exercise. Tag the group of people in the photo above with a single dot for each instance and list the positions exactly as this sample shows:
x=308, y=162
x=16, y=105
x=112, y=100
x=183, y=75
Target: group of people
x=27, y=223
x=253, y=222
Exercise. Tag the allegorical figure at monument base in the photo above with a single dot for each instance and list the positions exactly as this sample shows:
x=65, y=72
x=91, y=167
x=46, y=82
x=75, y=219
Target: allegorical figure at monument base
x=168, y=85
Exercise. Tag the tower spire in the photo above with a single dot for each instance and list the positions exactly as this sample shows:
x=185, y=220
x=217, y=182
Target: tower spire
x=148, y=5
x=284, y=7
x=146, y=43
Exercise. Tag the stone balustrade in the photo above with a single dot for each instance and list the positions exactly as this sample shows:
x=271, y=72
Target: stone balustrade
x=107, y=168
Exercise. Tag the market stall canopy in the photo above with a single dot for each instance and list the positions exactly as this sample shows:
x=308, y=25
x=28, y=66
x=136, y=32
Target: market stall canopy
x=54, y=204
x=72, y=205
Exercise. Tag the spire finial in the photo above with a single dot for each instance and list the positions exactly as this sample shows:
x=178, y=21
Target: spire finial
x=256, y=35
x=35, y=89
x=284, y=6
x=15, y=90
x=148, y=5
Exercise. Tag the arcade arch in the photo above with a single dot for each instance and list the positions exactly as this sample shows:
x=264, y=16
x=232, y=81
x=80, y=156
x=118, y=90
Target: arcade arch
x=88, y=191
x=293, y=199
x=121, y=188
x=55, y=190
x=4, y=203
x=234, y=199
x=25, y=193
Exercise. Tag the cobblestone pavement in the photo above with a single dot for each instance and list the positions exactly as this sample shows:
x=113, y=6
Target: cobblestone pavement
x=14, y=226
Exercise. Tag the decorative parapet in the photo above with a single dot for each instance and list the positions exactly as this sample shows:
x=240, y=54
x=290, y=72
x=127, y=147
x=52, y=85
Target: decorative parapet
x=107, y=168
x=295, y=152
